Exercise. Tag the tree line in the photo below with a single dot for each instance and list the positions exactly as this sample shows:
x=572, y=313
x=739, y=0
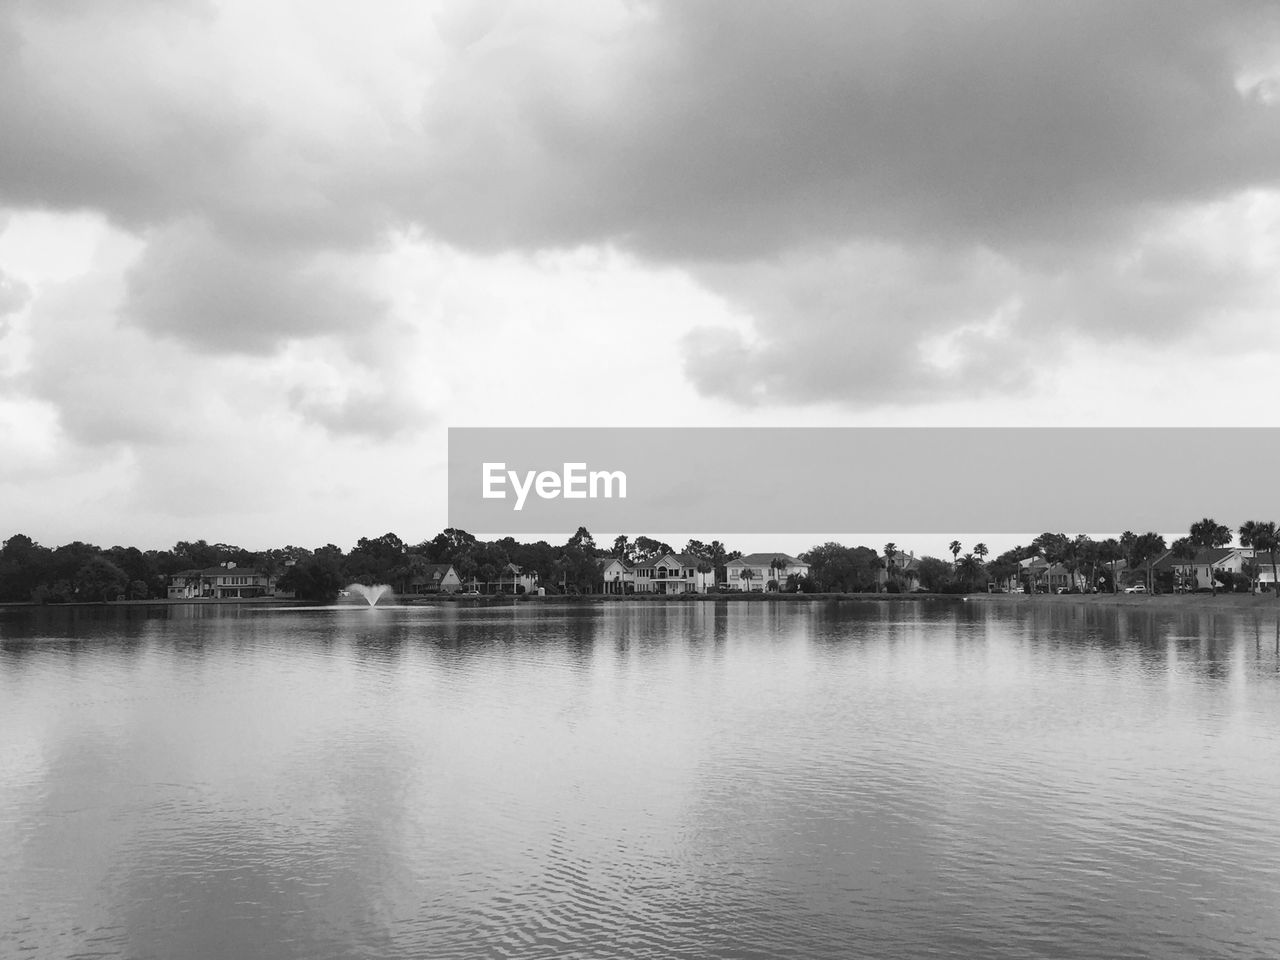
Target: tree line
x=81, y=571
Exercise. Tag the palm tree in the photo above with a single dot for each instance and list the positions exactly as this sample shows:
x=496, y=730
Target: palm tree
x=1208, y=534
x=745, y=574
x=1185, y=549
x=776, y=565
x=1145, y=549
x=955, y=549
x=1262, y=535
x=969, y=569
x=890, y=551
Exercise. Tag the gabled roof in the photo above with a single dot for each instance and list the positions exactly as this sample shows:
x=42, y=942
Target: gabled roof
x=437, y=571
x=1206, y=556
x=681, y=560
x=219, y=572
x=904, y=561
x=764, y=559
x=603, y=562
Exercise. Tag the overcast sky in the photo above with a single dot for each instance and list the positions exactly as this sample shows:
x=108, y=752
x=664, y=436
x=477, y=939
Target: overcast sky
x=256, y=257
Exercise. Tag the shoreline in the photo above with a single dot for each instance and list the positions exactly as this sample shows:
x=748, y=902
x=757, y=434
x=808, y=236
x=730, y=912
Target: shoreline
x=1198, y=601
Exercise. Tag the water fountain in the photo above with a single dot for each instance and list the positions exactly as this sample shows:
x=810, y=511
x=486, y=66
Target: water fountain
x=371, y=594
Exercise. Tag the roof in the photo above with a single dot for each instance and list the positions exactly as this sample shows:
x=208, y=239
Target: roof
x=218, y=572
x=764, y=559
x=1205, y=556
x=603, y=562
x=683, y=559
x=436, y=571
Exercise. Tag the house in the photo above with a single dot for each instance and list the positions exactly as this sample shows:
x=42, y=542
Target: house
x=754, y=571
x=1197, y=572
x=903, y=567
x=225, y=582
x=615, y=576
x=1048, y=577
x=436, y=578
x=514, y=579
x=671, y=573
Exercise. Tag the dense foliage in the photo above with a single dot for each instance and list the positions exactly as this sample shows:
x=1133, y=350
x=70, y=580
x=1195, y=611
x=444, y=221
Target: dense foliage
x=80, y=571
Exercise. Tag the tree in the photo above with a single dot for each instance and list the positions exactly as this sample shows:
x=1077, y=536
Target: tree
x=317, y=578
x=890, y=555
x=835, y=568
x=1144, y=549
x=648, y=548
x=746, y=574
x=100, y=579
x=980, y=551
x=970, y=571
x=1110, y=551
x=776, y=566
x=935, y=575
x=1262, y=535
x=1054, y=549
x=1208, y=534
x=1185, y=549
x=582, y=541
x=955, y=549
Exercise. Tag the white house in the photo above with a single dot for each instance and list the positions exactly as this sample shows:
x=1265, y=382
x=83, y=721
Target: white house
x=615, y=576
x=436, y=578
x=671, y=573
x=227, y=582
x=1196, y=573
x=754, y=571
x=512, y=578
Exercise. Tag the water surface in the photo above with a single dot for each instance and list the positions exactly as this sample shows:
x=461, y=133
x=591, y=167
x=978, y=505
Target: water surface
x=932, y=779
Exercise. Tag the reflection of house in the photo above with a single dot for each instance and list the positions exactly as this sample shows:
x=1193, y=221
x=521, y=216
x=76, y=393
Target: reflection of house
x=670, y=573
x=227, y=582
x=903, y=567
x=754, y=571
x=615, y=576
x=436, y=578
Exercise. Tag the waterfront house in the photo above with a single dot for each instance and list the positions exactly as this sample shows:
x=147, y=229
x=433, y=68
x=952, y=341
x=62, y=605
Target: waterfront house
x=615, y=576
x=1197, y=572
x=903, y=567
x=1048, y=577
x=225, y=582
x=514, y=579
x=436, y=578
x=754, y=571
x=671, y=573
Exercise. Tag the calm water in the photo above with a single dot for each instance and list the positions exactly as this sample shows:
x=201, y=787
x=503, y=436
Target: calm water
x=642, y=780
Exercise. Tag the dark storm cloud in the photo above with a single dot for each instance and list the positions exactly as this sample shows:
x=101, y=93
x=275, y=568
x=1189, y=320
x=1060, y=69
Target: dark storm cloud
x=757, y=144
x=238, y=215
x=733, y=129
x=868, y=183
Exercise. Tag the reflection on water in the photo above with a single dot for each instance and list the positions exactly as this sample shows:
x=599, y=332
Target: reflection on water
x=640, y=780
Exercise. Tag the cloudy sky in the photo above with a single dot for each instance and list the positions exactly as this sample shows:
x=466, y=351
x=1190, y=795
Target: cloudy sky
x=256, y=257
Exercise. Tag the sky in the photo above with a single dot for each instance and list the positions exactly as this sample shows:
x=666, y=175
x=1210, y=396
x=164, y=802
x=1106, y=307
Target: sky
x=257, y=257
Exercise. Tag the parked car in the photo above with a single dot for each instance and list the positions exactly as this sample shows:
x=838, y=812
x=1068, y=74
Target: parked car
x=1136, y=588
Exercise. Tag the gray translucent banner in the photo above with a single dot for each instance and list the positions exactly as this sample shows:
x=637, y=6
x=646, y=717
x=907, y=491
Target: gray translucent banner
x=865, y=480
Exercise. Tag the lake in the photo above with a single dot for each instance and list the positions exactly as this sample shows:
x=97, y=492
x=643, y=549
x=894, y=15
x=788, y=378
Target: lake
x=659, y=780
